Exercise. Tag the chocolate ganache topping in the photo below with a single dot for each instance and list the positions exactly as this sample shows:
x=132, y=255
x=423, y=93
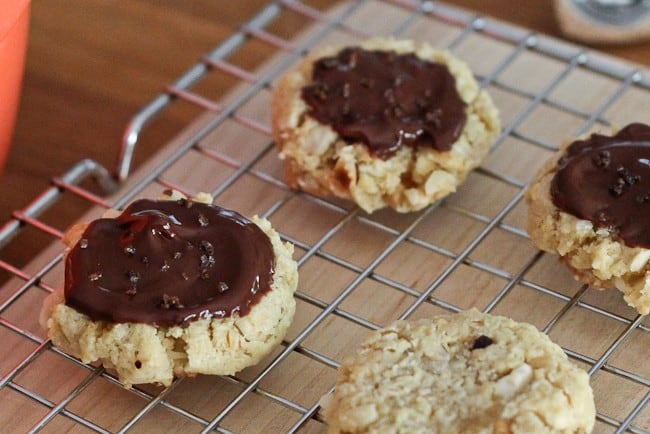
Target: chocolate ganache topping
x=168, y=263
x=386, y=100
x=606, y=180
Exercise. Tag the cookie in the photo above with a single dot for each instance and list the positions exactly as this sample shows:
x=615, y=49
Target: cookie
x=464, y=373
x=174, y=287
x=387, y=123
x=590, y=204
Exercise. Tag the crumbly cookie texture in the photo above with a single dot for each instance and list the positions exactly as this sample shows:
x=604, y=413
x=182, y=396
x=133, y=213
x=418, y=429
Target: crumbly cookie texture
x=320, y=162
x=142, y=353
x=464, y=373
x=594, y=255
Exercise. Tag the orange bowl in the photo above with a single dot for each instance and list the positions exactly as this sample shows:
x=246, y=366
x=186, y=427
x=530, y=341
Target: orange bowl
x=14, y=27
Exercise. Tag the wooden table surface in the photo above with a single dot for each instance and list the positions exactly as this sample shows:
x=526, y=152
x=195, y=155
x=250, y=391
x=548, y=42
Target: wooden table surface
x=92, y=64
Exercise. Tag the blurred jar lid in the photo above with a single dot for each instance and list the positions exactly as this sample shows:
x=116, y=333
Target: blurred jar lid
x=604, y=21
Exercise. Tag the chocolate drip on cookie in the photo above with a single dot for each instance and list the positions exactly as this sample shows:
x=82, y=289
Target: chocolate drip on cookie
x=606, y=180
x=168, y=263
x=386, y=100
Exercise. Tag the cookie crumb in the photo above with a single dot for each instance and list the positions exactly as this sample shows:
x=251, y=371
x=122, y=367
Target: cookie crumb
x=185, y=202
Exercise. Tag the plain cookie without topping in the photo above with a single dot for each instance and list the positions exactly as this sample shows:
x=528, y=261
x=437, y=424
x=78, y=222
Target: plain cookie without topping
x=405, y=126
x=590, y=204
x=148, y=326
x=464, y=373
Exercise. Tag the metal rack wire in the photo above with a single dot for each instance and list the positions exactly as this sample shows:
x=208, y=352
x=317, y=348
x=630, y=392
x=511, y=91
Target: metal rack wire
x=621, y=382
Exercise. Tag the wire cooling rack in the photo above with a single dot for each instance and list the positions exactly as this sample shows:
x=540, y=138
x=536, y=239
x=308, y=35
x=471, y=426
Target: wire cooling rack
x=358, y=272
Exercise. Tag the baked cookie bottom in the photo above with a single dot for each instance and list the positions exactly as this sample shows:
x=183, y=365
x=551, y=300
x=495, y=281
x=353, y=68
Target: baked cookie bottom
x=143, y=353
x=464, y=373
x=320, y=162
x=594, y=255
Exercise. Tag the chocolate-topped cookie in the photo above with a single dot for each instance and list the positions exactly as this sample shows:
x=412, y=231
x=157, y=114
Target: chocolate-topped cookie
x=174, y=287
x=386, y=100
x=386, y=123
x=590, y=204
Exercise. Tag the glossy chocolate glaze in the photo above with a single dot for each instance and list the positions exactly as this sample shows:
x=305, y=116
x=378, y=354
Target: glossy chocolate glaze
x=168, y=263
x=386, y=100
x=606, y=180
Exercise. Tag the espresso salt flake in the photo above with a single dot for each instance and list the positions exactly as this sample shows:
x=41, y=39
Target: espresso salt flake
x=171, y=302
x=644, y=198
x=134, y=276
x=207, y=261
x=203, y=220
x=207, y=247
x=603, y=159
